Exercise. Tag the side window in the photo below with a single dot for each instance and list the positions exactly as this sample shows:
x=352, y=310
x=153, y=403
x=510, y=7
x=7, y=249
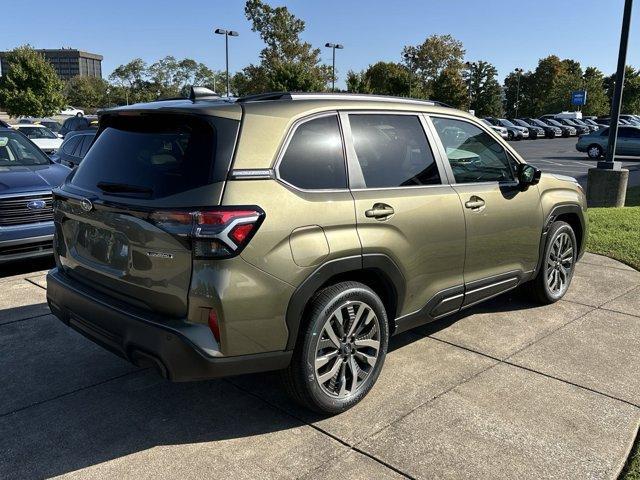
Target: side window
x=629, y=133
x=393, y=151
x=314, y=159
x=86, y=143
x=69, y=146
x=474, y=155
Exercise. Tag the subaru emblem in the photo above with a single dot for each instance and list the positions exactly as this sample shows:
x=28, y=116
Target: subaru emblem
x=36, y=204
x=86, y=204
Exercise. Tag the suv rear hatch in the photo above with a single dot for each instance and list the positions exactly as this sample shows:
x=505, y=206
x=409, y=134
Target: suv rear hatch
x=113, y=214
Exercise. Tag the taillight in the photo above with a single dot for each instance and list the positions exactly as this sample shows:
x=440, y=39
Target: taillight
x=217, y=233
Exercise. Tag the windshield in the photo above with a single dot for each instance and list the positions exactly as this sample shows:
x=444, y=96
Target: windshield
x=506, y=123
x=53, y=126
x=522, y=123
x=16, y=151
x=554, y=122
x=37, y=132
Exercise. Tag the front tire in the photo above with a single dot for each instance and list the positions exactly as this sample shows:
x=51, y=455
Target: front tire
x=594, y=151
x=556, y=270
x=509, y=136
x=341, y=349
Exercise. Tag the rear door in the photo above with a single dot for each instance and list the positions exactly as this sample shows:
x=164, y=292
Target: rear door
x=503, y=222
x=404, y=207
x=123, y=219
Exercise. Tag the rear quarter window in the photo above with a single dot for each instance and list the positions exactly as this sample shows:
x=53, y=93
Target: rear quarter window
x=160, y=154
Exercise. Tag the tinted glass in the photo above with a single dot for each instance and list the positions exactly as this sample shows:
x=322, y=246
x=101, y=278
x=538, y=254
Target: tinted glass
x=151, y=157
x=36, y=132
x=69, y=145
x=630, y=133
x=474, y=155
x=314, y=158
x=86, y=143
x=506, y=123
x=15, y=150
x=393, y=151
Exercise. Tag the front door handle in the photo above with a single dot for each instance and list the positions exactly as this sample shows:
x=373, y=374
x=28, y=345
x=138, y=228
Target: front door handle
x=379, y=210
x=474, y=203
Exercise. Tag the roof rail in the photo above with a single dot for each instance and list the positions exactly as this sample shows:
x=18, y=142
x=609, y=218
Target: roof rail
x=336, y=96
x=201, y=93
x=265, y=96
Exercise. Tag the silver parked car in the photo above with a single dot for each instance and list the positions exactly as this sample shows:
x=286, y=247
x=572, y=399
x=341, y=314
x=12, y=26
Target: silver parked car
x=595, y=143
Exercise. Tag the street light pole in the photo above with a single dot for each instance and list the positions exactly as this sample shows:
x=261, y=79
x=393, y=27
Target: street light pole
x=607, y=183
x=470, y=66
x=518, y=73
x=333, y=46
x=227, y=34
x=609, y=162
x=409, y=58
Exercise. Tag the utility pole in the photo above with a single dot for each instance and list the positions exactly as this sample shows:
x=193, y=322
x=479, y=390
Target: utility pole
x=333, y=46
x=227, y=34
x=607, y=184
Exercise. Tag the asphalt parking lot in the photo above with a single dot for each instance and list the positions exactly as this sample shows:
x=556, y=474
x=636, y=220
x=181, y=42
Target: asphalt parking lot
x=559, y=155
x=508, y=389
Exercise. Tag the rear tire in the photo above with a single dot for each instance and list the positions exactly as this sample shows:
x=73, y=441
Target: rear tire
x=556, y=269
x=341, y=349
x=509, y=136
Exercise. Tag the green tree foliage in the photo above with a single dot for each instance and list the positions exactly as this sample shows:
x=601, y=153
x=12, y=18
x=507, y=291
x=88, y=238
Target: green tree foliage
x=631, y=92
x=449, y=87
x=486, y=93
x=131, y=82
x=382, y=78
x=548, y=89
x=31, y=86
x=431, y=58
x=597, y=101
x=86, y=92
x=286, y=63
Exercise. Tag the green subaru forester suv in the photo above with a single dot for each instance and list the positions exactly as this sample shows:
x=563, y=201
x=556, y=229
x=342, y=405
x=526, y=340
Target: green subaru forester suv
x=297, y=232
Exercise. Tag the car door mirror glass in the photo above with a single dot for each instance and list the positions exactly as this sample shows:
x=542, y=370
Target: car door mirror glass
x=528, y=175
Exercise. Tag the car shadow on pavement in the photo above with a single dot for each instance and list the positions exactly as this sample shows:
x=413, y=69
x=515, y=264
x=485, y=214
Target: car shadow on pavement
x=26, y=266
x=128, y=412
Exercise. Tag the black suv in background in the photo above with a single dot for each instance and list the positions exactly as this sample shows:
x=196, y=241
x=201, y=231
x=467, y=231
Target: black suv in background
x=570, y=122
x=75, y=147
x=549, y=130
x=534, y=131
x=565, y=129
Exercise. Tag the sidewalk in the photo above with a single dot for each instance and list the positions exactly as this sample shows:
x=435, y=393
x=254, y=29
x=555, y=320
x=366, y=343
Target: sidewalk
x=505, y=390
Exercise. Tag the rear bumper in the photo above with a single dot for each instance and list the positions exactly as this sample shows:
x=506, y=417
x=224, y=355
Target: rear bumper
x=165, y=345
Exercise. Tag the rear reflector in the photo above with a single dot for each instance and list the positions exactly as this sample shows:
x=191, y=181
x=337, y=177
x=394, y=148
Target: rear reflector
x=213, y=325
x=216, y=233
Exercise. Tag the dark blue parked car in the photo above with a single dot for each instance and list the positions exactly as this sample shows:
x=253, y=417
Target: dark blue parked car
x=26, y=215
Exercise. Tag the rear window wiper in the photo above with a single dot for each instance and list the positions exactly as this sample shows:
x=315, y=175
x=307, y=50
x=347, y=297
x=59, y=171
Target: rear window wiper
x=124, y=188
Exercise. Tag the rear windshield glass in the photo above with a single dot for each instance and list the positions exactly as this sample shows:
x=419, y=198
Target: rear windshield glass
x=150, y=156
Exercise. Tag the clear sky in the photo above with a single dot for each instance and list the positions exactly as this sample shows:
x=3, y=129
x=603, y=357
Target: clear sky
x=509, y=34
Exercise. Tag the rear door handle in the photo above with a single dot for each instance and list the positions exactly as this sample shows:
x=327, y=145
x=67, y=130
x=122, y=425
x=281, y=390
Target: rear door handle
x=474, y=203
x=379, y=210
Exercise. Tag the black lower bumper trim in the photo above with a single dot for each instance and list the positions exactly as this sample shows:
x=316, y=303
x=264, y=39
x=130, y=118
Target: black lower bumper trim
x=143, y=341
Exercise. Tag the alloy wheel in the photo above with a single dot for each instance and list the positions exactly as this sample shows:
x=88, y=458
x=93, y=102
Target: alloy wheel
x=559, y=264
x=347, y=349
x=594, y=152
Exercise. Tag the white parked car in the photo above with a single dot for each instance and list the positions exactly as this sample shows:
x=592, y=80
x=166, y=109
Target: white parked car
x=44, y=138
x=72, y=111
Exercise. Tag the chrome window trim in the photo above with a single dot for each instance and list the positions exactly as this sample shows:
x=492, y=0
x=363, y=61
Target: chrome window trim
x=285, y=145
x=356, y=176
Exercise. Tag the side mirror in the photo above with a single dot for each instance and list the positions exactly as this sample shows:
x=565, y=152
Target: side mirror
x=528, y=175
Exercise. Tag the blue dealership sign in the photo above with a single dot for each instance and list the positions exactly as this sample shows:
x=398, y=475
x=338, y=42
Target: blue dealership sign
x=579, y=97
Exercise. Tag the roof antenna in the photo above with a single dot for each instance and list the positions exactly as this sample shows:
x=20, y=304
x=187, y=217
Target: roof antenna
x=200, y=93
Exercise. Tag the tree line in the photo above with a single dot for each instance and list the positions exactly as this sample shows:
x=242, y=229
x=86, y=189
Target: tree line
x=435, y=69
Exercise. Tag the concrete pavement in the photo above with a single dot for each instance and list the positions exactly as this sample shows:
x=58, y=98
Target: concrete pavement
x=507, y=389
